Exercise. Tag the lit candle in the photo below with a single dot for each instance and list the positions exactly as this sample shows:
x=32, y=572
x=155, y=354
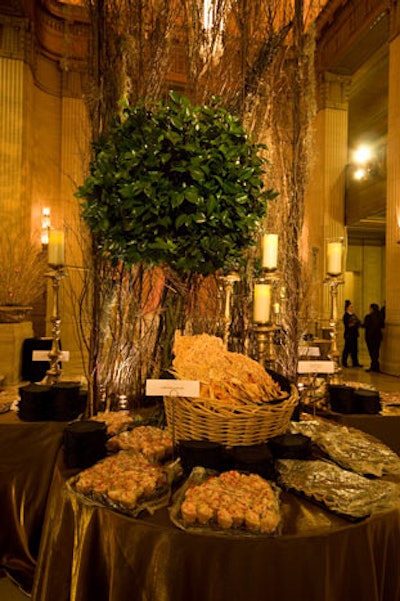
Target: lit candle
x=270, y=251
x=56, y=248
x=334, y=258
x=262, y=303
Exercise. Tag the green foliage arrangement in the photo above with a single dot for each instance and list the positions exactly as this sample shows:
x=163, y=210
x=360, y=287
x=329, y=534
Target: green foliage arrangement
x=179, y=185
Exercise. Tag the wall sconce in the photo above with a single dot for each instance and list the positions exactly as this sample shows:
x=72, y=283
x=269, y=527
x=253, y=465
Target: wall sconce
x=45, y=225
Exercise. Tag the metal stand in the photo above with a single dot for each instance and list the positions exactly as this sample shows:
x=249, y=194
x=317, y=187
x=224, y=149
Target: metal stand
x=265, y=344
x=334, y=355
x=53, y=374
x=265, y=333
x=228, y=282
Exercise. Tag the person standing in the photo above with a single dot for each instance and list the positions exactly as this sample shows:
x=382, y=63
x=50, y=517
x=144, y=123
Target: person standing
x=351, y=334
x=373, y=324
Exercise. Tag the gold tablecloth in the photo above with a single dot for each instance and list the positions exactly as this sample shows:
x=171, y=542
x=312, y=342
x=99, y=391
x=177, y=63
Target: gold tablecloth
x=28, y=452
x=90, y=553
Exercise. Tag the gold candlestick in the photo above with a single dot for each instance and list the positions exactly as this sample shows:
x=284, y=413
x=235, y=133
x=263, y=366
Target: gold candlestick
x=228, y=282
x=264, y=327
x=334, y=355
x=53, y=374
x=265, y=344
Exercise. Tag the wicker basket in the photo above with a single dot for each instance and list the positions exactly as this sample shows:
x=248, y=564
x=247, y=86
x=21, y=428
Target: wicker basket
x=249, y=424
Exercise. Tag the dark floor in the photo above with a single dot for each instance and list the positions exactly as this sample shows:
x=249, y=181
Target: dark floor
x=381, y=381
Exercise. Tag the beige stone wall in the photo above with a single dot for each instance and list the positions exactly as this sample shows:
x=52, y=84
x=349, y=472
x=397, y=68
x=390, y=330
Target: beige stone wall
x=391, y=344
x=74, y=150
x=365, y=277
x=324, y=214
x=12, y=336
x=13, y=191
x=365, y=283
x=58, y=150
x=43, y=150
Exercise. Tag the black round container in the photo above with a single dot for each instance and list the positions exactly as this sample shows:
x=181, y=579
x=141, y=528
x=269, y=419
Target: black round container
x=283, y=381
x=203, y=453
x=35, y=402
x=257, y=459
x=367, y=401
x=291, y=446
x=84, y=443
x=286, y=386
x=68, y=403
x=341, y=398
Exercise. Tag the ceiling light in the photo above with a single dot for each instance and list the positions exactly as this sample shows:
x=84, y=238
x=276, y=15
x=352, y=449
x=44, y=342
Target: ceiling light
x=360, y=174
x=362, y=155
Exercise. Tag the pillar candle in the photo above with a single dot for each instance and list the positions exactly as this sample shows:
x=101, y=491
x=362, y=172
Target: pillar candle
x=56, y=248
x=334, y=258
x=262, y=303
x=270, y=251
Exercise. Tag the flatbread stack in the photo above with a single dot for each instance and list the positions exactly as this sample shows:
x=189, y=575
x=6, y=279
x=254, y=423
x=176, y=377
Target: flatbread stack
x=224, y=376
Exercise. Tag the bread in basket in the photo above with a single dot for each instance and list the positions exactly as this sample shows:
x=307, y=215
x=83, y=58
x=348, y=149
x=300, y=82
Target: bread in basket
x=239, y=404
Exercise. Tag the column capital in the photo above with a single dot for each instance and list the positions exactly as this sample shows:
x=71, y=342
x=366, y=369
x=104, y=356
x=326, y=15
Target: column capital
x=333, y=91
x=394, y=20
x=15, y=38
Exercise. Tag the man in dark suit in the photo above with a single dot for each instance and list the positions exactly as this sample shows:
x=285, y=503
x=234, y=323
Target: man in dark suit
x=373, y=324
x=351, y=326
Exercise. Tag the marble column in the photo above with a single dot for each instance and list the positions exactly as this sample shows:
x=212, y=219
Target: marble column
x=75, y=136
x=12, y=169
x=390, y=351
x=325, y=206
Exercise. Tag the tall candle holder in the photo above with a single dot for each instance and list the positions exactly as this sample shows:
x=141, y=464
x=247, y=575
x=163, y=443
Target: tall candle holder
x=266, y=313
x=53, y=374
x=263, y=327
x=334, y=270
x=265, y=334
x=228, y=282
x=333, y=354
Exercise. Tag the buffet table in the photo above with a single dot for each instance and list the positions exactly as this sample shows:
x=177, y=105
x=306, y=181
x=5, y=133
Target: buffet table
x=75, y=551
x=28, y=453
x=91, y=552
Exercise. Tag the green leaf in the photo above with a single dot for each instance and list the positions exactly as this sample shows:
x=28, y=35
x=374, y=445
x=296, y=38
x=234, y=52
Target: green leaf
x=176, y=184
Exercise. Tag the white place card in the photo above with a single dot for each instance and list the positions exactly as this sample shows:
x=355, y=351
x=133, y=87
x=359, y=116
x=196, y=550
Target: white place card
x=189, y=388
x=44, y=356
x=309, y=351
x=315, y=367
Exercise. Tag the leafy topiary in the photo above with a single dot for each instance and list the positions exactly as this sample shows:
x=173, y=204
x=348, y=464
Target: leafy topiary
x=180, y=185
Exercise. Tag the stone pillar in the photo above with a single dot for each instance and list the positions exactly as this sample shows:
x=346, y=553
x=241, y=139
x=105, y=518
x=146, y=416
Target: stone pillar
x=14, y=207
x=75, y=136
x=390, y=352
x=325, y=208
